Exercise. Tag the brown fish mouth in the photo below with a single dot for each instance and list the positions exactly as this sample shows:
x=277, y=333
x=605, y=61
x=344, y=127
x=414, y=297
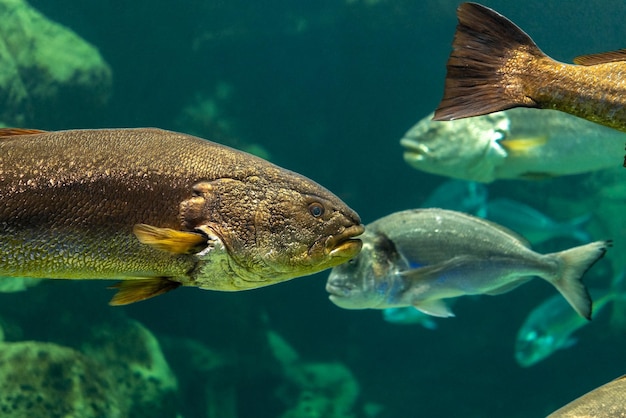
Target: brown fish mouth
x=344, y=244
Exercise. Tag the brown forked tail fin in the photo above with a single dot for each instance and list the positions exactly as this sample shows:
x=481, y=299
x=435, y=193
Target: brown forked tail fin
x=477, y=82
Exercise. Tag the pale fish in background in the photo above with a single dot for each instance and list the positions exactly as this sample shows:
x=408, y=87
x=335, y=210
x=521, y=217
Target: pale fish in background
x=408, y=316
x=421, y=257
x=549, y=327
x=534, y=225
x=606, y=401
x=461, y=195
x=514, y=144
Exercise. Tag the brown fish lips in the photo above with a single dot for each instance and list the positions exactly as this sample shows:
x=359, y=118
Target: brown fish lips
x=344, y=243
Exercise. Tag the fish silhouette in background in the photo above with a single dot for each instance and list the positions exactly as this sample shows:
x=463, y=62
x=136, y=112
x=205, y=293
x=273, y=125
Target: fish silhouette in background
x=549, y=327
x=518, y=144
x=533, y=225
x=460, y=195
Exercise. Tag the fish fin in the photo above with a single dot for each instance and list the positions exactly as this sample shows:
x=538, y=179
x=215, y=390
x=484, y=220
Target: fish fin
x=170, y=240
x=135, y=290
x=576, y=261
x=483, y=44
x=601, y=58
x=436, y=307
x=429, y=324
x=522, y=145
x=8, y=132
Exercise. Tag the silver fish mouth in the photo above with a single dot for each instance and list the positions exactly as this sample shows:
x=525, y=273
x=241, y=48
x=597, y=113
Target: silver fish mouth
x=338, y=290
x=414, y=150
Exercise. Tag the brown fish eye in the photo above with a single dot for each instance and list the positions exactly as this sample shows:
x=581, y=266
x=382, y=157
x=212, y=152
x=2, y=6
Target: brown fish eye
x=316, y=209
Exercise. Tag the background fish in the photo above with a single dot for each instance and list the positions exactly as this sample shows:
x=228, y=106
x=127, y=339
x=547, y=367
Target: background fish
x=514, y=144
x=495, y=66
x=160, y=209
x=422, y=257
x=549, y=327
x=533, y=225
x=602, y=402
x=460, y=195
x=408, y=316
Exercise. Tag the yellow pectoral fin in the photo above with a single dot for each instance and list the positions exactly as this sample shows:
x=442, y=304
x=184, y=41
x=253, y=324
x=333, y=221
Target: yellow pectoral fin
x=521, y=145
x=170, y=240
x=131, y=291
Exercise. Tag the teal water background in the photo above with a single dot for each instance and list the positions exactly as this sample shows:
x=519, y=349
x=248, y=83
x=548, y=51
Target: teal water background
x=327, y=88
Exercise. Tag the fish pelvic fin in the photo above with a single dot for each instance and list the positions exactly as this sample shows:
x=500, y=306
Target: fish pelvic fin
x=170, y=240
x=435, y=307
x=576, y=261
x=131, y=291
x=479, y=79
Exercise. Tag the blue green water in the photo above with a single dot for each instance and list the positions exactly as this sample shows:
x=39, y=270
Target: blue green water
x=327, y=88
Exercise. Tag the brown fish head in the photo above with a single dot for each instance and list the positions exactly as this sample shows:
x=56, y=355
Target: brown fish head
x=275, y=230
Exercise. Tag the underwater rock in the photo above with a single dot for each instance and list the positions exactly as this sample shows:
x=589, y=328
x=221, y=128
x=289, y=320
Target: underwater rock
x=44, y=65
x=313, y=389
x=207, y=377
x=17, y=284
x=327, y=390
x=121, y=373
x=43, y=379
x=135, y=361
x=207, y=116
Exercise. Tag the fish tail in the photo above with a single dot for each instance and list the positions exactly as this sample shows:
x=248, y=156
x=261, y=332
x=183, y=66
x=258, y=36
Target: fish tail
x=479, y=80
x=575, y=262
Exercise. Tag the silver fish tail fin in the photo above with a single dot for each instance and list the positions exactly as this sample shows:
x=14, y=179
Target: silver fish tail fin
x=476, y=83
x=576, y=261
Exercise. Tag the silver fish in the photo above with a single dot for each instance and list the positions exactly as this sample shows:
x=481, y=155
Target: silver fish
x=606, y=401
x=514, y=144
x=533, y=225
x=549, y=327
x=420, y=257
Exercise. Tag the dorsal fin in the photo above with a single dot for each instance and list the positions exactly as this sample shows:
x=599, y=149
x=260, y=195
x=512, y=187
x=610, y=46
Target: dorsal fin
x=19, y=131
x=601, y=58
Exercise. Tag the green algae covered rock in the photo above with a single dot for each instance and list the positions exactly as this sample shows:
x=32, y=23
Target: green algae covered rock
x=121, y=373
x=44, y=65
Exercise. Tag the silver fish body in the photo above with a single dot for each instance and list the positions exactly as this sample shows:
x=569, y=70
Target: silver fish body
x=421, y=257
x=513, y=144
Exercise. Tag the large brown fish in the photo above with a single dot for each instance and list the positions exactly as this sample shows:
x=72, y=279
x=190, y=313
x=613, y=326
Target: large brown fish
x=160, y=209
x=606, y=401
x=495, y=66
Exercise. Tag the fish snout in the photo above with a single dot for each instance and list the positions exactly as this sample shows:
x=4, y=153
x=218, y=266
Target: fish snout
x=339, y=288
x=343, y=244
